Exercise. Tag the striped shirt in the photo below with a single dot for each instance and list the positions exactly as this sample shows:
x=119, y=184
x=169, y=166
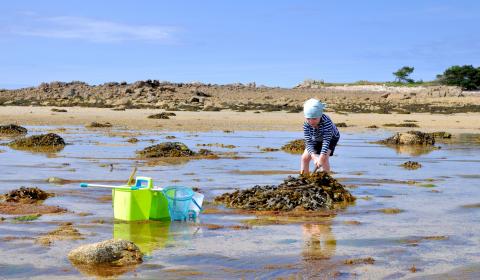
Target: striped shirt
x=324, y=133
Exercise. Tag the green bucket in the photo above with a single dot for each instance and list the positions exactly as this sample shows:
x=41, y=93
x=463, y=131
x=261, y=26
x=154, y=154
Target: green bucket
x=159, y=208
x=133, y=205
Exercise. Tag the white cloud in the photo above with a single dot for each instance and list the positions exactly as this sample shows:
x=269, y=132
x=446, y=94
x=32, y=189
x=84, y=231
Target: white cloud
x=94, y=30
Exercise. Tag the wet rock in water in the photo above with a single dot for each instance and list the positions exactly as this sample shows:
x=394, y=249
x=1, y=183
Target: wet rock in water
x=206, y=153
x=294, y=147
x=166, y=149
x=306, y=192
x=65, y=231
x=26, y=195
x=132, y=140
x=99, y=125
x=57, y=180
x=409, y=138
x=12, y=130
x=411, y=165
x=42, y=141
x=111, y=252
x=163, y=115
x=441, y=134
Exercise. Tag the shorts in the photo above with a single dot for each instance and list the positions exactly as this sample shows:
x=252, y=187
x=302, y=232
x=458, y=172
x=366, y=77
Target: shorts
x=331, y=147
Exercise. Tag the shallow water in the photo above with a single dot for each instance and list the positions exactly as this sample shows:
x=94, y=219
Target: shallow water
x=436, y=231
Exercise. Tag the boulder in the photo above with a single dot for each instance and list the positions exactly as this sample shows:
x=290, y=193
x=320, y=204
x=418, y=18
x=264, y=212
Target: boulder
x=410, y=138
x=113, y=252
x=50, y=140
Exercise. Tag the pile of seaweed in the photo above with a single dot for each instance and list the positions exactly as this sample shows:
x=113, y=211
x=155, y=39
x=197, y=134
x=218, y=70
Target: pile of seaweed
x=315, y=191
x=26, y=195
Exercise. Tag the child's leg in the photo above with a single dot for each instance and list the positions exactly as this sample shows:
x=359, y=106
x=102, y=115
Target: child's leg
x=326, y=162
x=305, y=162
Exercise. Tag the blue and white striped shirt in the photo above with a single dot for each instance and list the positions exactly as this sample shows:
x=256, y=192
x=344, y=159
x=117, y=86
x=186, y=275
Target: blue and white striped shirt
x=325, y=132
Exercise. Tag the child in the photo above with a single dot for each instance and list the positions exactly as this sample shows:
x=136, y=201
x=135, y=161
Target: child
x=320, y=135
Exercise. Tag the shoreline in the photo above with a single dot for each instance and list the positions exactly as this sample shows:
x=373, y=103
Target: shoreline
x=137, y=119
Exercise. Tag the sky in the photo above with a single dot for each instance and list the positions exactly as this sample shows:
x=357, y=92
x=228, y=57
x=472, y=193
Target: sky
x=270, y=42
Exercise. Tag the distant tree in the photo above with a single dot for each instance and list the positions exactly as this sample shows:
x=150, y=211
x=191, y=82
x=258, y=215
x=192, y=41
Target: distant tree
x=467, y=77
x=402, y=74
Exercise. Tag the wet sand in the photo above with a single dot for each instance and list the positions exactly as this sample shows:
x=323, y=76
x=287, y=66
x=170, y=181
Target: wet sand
x=228, y=120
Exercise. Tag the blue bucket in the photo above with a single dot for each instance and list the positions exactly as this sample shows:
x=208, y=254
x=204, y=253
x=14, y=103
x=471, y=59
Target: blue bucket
x=179, y=199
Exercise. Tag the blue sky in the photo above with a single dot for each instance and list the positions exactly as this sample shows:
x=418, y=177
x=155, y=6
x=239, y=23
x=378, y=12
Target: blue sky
x=275, y=43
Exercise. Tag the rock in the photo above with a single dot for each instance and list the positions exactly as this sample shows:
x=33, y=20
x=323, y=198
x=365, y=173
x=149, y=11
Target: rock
x=441, y=134
x=163, y=115
x=294, y=147
x=166, y=149
x=132, y=140
x=409, y=138
x=26, y=195
x=99, y=125
x=112, y=252
x=58, y=110
x=306, y=192
x=411, y=165
x=342, y=124
x=385, y=95
x=56, y=180
x=50, y=140
x=12, y=130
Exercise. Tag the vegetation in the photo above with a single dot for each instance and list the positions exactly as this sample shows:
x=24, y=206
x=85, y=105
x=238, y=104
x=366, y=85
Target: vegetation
x=403, y=73
x=467, y=77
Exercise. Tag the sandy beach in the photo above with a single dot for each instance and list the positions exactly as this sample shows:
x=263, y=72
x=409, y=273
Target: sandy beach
x=228, y=120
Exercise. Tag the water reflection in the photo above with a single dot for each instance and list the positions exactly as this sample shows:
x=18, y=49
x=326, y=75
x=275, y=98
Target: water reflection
x=319, y=241
x=147, y=235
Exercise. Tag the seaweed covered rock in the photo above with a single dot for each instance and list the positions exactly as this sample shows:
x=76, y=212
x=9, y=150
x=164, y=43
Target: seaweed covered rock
x=50, y=140
x=307, y=192
x=163, y=115
x=26, y=195
x=111, y=252
x=12, y=130
x=441, y=135
x=411, y=165
x=294, y=147
x=166, y=149
x=99, y=125
x=409, y=138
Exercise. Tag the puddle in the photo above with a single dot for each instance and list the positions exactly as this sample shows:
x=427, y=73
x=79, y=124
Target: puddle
x=400, y=223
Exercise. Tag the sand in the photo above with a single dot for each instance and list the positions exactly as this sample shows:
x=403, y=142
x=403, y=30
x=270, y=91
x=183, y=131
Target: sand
x=136, y=119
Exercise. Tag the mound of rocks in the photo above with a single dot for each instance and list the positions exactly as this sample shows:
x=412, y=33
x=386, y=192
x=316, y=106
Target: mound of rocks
x=111, y=252
x=12, y=130
x=294, y=147
x=166, y=149
x=26, y=195
x=409, y=138
x=307, y=192
x=411, y=165
x=50, y=140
